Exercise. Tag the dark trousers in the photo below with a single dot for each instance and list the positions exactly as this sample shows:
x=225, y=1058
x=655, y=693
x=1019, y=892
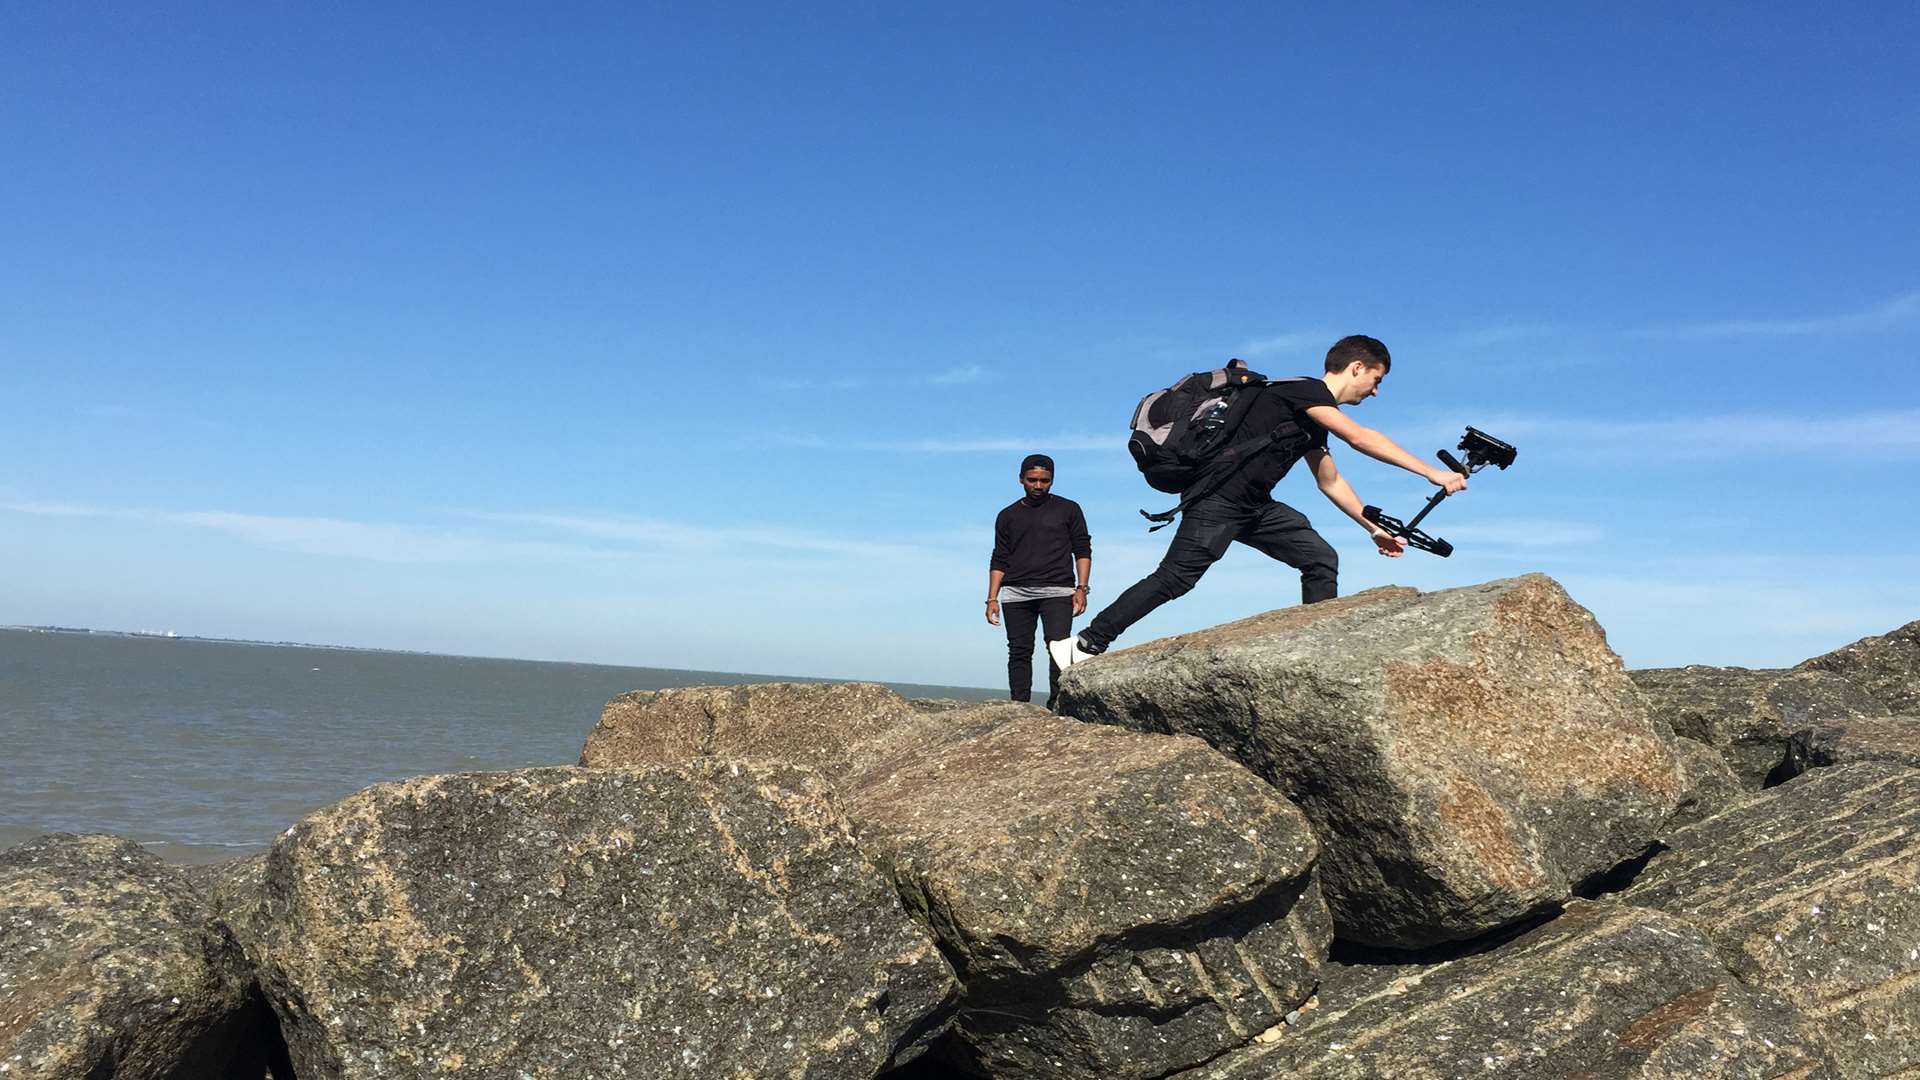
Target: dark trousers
x=1206, y=528
x=1056, y=613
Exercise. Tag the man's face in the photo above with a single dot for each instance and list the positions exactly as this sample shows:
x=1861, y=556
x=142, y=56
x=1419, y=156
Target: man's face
x=1037, y=481
x=1364, y=383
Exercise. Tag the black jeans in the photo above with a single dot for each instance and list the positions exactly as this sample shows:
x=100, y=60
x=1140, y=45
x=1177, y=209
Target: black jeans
x=1206, y=528
x=1056, y=613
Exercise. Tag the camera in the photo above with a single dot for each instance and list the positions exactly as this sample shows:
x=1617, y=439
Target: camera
x=1483, y=449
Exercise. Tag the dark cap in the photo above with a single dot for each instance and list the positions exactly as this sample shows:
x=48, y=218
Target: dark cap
x=1036, y=461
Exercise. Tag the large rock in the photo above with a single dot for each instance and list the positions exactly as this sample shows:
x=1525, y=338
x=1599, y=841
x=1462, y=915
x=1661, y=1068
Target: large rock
x=705, y=920
x=1709, y=785
x=1887, y=667
x=1468, y=756
x=232, y=889
x=111, y=968
x=1118, y=905
x=836, y=728
x=1814, y=891
x=1604, y=992
x=1748, y=714
x=234, y=893
x=1893, y=739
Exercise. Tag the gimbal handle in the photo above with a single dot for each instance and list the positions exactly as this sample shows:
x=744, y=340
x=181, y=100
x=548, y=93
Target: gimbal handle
x=1450, y=462
x=1411, y=536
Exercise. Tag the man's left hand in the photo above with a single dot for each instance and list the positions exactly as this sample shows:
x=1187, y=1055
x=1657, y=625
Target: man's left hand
x=1390, y=545
x=1079, y=602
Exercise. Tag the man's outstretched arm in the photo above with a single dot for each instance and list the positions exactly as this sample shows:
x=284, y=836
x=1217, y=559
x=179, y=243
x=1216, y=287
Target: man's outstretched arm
x=1380, y=448
x=1341, y=494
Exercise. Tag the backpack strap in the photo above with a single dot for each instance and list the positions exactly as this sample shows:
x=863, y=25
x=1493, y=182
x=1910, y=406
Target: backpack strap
x=1240, y=454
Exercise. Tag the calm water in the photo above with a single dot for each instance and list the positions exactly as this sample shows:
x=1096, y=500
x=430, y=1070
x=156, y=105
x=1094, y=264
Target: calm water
x=205, y=750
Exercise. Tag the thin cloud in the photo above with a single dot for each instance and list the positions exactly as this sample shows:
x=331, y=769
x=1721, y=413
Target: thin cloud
x=1501, y=333
x=1280, y=343
x=791, y=385
x=679, y=536
x=1666, y=618
x=1528, y=534
x=1881, y=316
x=613, y=536
x=371, y=541
x=959, y=376
x=350, y=539
x=1726, y=435
x=984, y=445
x=584, y=537
x=60, y=509
x=1041, y=443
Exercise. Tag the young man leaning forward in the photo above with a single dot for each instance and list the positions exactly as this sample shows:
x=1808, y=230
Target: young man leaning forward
x=1242, y=507
x=1042, y=556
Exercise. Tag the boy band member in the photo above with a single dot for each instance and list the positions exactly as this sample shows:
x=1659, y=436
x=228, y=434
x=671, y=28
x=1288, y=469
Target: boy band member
x=1242, y=507
x=1042, y=557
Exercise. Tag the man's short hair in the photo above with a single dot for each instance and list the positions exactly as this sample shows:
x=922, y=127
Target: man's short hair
x=1368, y=351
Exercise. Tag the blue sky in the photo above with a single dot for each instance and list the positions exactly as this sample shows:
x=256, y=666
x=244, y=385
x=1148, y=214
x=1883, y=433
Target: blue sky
x=712, y=338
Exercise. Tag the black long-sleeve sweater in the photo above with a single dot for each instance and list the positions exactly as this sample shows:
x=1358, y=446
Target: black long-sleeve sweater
x=1037, y=545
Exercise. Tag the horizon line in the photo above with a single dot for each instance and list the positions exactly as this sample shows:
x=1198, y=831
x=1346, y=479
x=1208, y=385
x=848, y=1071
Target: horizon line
x=148, y=635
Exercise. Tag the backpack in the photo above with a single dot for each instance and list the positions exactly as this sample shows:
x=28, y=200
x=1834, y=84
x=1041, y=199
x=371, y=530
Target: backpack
x=1188, y=433
x=1177, y=431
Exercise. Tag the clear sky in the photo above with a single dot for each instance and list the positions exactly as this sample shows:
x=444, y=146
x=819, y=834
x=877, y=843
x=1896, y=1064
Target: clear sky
x=711, y=336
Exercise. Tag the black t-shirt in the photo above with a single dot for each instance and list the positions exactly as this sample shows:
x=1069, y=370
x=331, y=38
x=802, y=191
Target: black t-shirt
x=1277, y=402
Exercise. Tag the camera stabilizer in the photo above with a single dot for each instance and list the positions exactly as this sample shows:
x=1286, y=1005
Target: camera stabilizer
x=1482, y=450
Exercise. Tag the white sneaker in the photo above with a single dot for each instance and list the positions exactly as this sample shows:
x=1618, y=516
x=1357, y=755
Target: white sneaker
x=1067, y=652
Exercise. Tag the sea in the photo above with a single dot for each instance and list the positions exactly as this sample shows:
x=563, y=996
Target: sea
x=205, y=750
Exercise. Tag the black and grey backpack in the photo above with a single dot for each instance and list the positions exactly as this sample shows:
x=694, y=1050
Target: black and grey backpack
x=1189, y=433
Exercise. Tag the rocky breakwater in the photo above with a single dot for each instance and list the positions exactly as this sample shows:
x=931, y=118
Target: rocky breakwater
x=111, y=965
x=1814, y=891
x=1603, y=992
x=1468, y=758
x=1115, y=904
x=1885, y=666
x=1775, y=936
x=703, y=920
x=1749, y=716
x=828, y=881
x=1858, y=702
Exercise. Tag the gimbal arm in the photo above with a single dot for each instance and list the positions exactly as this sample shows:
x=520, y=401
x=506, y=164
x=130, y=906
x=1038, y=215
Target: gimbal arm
x=1450, y=462
x=1482, y=450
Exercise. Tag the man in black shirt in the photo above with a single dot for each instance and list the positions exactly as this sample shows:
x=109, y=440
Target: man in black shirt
x=1241, y=507
x=1042, y=557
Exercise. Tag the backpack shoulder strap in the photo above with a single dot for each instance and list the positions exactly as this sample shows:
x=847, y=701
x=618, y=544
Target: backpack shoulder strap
x=1242, y=454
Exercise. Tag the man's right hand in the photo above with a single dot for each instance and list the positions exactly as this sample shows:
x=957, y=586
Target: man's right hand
x=993, y=613
x=1448, y=479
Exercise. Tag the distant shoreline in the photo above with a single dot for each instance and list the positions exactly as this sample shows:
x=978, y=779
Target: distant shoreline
x=909, y=689
x=168, y=635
